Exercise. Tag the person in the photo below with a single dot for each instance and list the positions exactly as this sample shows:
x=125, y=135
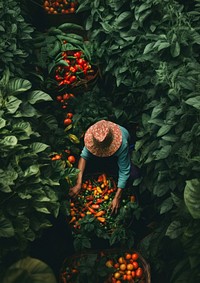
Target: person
x=102, y=141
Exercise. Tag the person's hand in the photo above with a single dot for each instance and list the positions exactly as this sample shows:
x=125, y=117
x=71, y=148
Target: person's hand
x=115, y=204
x=74, y=191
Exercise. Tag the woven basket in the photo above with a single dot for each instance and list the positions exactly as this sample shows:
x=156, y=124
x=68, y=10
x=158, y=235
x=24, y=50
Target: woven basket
x=72, y=264
x=126, y=223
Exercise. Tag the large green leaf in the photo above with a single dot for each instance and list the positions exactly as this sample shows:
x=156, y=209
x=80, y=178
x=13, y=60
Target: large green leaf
x=6, y=227
x=7, y=177
x=38, y=147
x=163, y=152
x=175, y=229
x=16, y=85
x=32, y=170
x=38, y=96
x=12, y=104
x=9, y=141
x=29, y=270
x=192, y=197
x=2, y=123
x=194, y=101
x=23, y=127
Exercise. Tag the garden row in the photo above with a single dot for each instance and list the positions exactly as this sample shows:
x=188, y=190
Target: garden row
x=145, y=51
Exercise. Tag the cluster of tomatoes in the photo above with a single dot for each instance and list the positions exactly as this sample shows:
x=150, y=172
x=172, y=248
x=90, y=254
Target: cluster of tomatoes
x=66, y=155
x=64, y=99
x=94, y=199
x=118, y=267
x=75, y=71
x=60, y=6
x=70, y=158
x=126, y=268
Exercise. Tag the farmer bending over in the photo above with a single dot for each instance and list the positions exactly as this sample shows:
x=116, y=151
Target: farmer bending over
x=105, y=144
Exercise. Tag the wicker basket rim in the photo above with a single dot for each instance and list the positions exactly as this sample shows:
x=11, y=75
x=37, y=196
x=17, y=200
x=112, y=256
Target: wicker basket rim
x=106, y=252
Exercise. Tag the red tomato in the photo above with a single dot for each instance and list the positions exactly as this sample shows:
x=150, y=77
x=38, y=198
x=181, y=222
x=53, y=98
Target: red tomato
x=69, y=115
x=71, y=159
x=66, y=96
x=72, y=79
x=135, y=256
x=139, y=272
x=67, y=121
x=135, y=265
x=59, y=97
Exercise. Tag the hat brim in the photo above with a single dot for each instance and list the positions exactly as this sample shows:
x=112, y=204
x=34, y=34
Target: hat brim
x=111, y=149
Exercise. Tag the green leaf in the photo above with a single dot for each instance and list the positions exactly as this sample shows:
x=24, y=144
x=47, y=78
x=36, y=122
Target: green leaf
x=30, y=270
x=163, y=45
x=9, y=141
x=41, y=209
x=192, y=197
x=32, y=170
x=164, y=130
x=166, y=205
x=123, y=19
x=26, y=110
x=194, y=101
x=17, y=86
x=23, y=127
x=7, y=177
x=12, y=104
x=38, y=96
x=2, y=123
x=51, y=122
x=175, y=49
x=107, y=27
x=170, y=138
x=6, y=227
x=148, y=48
x=38, y=147
x=156, y=111
x=175, y=230
x=163, y=152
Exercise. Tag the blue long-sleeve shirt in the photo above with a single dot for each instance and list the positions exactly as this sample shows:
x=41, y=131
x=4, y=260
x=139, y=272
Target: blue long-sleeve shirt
x=123, y=158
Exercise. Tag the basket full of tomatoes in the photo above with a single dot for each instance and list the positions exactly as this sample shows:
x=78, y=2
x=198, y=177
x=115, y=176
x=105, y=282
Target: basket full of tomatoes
x=127, y=266
x=89, y=211
x=60, y=11
x=107, y=266
x=75, y=71
x=60, y=6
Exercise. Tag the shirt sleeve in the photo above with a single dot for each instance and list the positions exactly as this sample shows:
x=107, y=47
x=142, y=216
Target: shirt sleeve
x=124, y=164
x=85, y=154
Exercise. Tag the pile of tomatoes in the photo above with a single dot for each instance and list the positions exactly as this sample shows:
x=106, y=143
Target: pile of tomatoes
x=94, y=199
x=109, y=266
x=75, y=70
x=60, y=6
x=126, y=268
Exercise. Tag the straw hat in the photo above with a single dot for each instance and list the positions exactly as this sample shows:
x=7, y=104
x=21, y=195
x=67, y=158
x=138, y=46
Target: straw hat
x=103, y=138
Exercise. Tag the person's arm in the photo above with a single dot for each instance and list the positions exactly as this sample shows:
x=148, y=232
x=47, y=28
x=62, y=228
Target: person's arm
x=74, y=191
x=124, y=164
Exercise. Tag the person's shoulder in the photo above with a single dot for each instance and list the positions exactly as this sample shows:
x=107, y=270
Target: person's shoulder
x=124, y=131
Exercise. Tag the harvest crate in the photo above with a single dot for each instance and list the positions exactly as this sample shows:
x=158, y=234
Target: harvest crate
x=107, y=266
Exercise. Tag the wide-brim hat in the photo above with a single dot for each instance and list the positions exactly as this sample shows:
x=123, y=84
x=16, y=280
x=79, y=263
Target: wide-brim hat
x=103, y=138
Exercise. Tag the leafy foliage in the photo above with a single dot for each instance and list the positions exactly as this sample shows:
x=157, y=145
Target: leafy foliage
x=15, y=38
x=28, y=180
x=147, y=50
x=29, y=269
